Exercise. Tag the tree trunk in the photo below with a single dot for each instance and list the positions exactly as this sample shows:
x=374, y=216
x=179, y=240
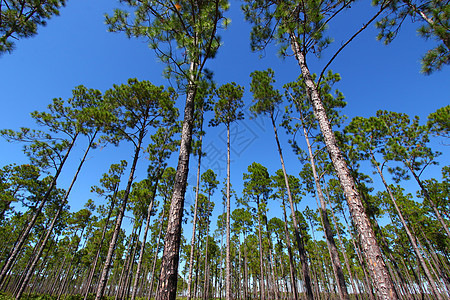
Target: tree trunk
x=331, y=244
x=194, y=222
x=228, y=295
x=341, y=243
x=55, y=218
x=366, y=281
x=91, y=275
x=156, y=253
x=104, y=276
x=169, y=266
x=371, y=250
x=18, y=246
x=206, y=288
x=144, y=240
x=409, y=234
x=269, y=240
x=69, y=270
x=261, y=276
x=246, y=293
x=291, y=259
x=427, y=196
x=301, y=248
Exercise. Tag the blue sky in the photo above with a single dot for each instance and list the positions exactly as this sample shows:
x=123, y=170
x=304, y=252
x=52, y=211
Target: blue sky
x=75, y=49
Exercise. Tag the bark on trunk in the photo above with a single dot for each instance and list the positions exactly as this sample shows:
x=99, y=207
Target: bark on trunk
x=371, y=250
x=274, y=282
x=156, y=256
x=169, y=266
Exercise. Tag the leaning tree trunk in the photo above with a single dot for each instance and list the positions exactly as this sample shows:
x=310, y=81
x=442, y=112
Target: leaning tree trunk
x=18, y=246
x=409, y=234
x=377, y=267
x=115, y=236
x=52, y=225
x=301, y=247
x=331, y=244
x=427, y=196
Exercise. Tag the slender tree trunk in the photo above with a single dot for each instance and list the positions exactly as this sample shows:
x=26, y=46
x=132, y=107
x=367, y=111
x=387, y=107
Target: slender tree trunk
x=427, y=196
x=155, y=258
x=331, y=244
x=129, y=276
x=341, y=243
x=366, y=281
x=104, y=276
x=126, y=263
x=371, y=250
x=69, y=269
x=269, y=240
x=18, y=246
x=94, y=266
x=228, y=296
x=55, y=218
x=169, y=266
x=246, y=292
x=206, y=288
x=58, y=275
x=437, y=262
x=291, y=259
x=261, y=276
x=144, y=240
x=409, y=234
x=194, y=221
x=301, y=248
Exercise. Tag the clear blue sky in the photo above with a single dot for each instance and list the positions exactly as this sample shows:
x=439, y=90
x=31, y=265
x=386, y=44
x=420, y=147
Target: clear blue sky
x=75, y=49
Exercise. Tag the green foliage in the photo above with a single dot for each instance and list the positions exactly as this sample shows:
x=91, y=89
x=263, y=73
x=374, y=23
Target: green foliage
x=228, y=108
x=17, y=184
x=439, y=122
x=277, y=20
x=137, y=105
x=20, y=19
x=209, y=182
x=265, y=97
x=434, y=17
x=183, y=35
